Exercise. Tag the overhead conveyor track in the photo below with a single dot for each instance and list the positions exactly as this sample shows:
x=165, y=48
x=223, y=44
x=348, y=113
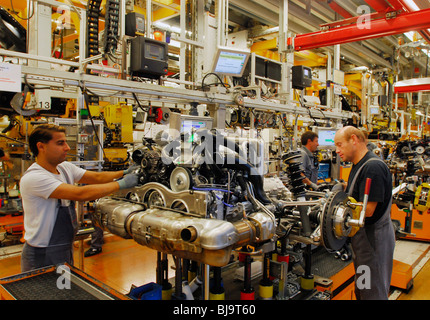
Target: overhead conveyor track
x=68, y=83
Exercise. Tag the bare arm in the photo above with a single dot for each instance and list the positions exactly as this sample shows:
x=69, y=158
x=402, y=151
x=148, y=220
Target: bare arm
x=306, y=180
x=84, y=193
x=370, y=209
x=94, y=177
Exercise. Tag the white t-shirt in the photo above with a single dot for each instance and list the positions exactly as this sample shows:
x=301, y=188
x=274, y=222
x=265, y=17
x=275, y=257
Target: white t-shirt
x=40, y=211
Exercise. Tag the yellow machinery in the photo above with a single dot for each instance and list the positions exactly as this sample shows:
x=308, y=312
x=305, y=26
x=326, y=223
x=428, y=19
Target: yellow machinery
x=118, y=119
x=415, y=220
x=422, y=199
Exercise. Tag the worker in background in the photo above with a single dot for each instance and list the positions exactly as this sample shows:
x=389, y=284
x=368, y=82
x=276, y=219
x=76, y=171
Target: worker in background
x=310, y=164
x=372, y=245
x=48, y=193
x=369, y=144
x=4, y=155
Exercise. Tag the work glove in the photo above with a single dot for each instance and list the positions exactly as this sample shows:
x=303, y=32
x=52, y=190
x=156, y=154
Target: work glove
x=338, y=187
x=131, y=169
x=314, y=186
x=128, y=181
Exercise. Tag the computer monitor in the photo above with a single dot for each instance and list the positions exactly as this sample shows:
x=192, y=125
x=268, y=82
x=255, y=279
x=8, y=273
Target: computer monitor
x=301, y=77
x=374, y=110
x=183, y=123
x=326, y=137
x=188, y=124
x=148, y=57
x=230, y=62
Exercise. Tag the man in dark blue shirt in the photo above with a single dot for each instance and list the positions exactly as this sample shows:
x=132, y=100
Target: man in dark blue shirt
x=373, y=245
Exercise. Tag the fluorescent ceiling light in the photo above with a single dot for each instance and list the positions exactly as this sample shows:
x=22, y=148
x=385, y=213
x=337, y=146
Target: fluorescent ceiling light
x=412, y=5
x=170, y=28
x=410, y=35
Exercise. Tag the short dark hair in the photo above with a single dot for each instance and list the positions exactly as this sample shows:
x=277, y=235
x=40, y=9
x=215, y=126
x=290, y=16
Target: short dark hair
x=308, y=135
x=42, y=133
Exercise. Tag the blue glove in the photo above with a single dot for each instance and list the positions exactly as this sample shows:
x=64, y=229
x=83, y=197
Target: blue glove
x=128, y=181
x=131, y=169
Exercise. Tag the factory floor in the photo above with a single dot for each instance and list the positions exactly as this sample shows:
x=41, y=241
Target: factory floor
x=124, y=263
x=121, y=264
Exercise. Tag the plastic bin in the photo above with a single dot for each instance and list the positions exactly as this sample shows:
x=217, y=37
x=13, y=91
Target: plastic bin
x=149, y=291
x=324, y=171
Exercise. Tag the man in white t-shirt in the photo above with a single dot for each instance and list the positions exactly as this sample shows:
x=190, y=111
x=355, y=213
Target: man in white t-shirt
x=48, y=193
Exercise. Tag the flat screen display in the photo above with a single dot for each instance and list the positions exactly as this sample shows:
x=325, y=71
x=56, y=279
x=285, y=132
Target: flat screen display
x=374, y=110
x=154, y=51
x=326, y=137
x=187, y=125
x=230, y=62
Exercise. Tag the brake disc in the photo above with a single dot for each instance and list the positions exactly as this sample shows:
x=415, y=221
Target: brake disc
x=332, y=230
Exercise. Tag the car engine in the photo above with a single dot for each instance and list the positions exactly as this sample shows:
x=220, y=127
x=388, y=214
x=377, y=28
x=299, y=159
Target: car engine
x=202, y=195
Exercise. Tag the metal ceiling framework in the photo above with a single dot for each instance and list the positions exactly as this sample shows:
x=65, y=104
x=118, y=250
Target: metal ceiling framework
x=308, y=16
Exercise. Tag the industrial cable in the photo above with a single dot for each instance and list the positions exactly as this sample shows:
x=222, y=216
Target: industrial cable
x=258, y=204
x=33, y=87
x=100, y=95
x=309, y=110
x=261, y=124
x=138, y=103
x=15, y=12
x=210, y=189
x=86, y=104
x=219, y=78
x=14, y=140
x=287, y=230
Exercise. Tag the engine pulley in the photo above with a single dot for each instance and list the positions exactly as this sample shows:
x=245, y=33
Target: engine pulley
x=181, y=179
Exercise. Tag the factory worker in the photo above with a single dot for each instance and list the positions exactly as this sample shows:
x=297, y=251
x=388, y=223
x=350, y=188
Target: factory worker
x=48, y=193
x=310, y=163
x=4, y=155
x=372, y=245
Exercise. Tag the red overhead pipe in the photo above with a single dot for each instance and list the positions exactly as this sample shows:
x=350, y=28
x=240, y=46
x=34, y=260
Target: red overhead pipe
x=403, y=22
x=412, y=85
x=401, y=5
